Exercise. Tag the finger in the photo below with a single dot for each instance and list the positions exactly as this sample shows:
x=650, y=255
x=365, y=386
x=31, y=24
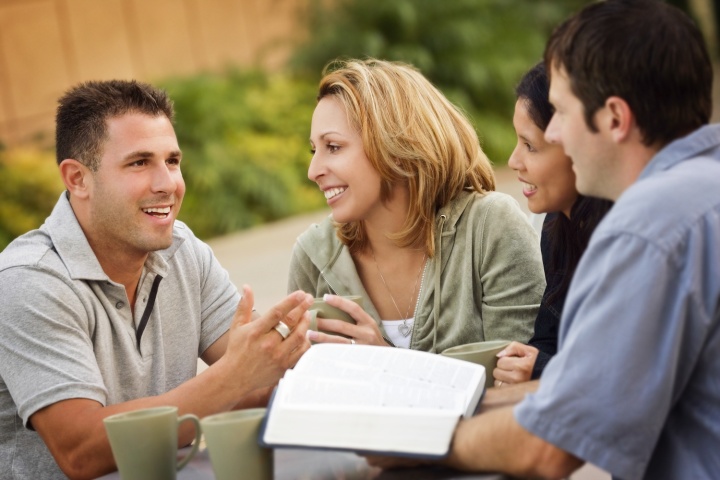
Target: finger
x=346, y=305
x=510, y=363
x=320, y=337
x=288, y=310
x=515, y=349
x=243, y=313
x=338, y=327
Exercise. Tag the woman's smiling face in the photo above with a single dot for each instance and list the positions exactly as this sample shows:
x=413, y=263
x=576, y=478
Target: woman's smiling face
x=339, y=165
x=543, y=168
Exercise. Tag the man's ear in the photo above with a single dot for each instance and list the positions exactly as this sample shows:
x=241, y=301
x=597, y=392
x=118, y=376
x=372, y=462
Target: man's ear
x=75, y=176
x=620, y=117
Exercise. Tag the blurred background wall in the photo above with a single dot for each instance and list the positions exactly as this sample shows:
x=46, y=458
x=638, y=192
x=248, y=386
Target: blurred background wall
x=48, y=45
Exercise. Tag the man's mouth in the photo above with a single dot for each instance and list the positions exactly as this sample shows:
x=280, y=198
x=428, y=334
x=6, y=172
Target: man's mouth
x=159, y=212
x=333, y=192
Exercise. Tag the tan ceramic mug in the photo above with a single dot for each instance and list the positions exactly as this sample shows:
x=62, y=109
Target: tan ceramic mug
x=482, y=353
x=232, y=442
x=320, y=309
x=145, y=442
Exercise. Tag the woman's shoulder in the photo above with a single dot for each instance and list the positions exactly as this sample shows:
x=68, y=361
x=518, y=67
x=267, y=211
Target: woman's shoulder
x=496, y=204
x=319, y=241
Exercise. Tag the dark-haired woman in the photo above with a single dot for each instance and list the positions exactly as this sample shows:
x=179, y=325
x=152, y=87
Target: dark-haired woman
x=549, y=186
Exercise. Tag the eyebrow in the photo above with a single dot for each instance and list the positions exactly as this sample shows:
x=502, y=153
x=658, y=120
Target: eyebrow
x=325, y=134
x=148, y=154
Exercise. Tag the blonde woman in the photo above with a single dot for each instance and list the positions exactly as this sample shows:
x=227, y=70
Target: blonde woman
x=439, y=258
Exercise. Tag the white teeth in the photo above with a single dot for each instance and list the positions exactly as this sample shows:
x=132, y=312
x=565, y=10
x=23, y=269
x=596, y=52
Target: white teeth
x=529, y=187
x=330, y=193
x=162, y=211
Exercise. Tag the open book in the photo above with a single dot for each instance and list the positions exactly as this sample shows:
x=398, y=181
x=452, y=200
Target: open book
x=372, y=399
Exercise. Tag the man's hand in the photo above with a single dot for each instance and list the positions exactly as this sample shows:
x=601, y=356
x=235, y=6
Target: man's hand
x=256, y=353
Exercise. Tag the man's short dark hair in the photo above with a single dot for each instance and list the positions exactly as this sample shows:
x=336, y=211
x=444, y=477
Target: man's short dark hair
x=80, y=123
x=647, y=52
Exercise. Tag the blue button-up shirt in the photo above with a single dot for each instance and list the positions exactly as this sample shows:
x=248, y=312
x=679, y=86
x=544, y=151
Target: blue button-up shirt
x=635, y=386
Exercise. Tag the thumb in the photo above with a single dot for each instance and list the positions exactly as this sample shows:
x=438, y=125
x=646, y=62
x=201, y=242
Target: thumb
x=243, y=314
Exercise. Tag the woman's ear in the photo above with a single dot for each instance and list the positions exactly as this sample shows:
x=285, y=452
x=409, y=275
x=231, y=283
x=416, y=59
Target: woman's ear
x=75, y=176
x=622, y=119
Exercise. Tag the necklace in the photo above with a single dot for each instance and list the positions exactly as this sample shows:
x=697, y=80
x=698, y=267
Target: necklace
x=404, y=329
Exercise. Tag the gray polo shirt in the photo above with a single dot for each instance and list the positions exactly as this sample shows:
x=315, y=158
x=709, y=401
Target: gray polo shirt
x=66, y=329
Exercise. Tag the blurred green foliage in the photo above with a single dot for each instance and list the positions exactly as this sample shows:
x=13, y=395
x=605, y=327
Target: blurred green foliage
x=244, y=137
x=30, y=187
x=475, y=51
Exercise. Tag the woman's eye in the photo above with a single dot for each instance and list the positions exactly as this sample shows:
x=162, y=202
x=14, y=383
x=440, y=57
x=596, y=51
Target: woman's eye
x=529, y=147
x=333, y=148
x=312, y=151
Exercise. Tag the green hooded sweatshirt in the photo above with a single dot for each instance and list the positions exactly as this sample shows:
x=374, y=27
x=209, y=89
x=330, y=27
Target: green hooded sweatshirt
x=484, y=282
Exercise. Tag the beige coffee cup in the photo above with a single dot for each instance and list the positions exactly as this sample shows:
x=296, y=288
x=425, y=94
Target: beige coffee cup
x=232, y=442
x=482, y=353
x=320, y=309
x=145, y=442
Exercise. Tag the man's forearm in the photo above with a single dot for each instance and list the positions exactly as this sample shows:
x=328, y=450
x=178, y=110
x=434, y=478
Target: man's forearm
x=495, y=442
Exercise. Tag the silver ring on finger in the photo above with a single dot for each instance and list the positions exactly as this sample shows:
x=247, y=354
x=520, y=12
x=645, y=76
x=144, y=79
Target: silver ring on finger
x=352, y=341
x=499, y=383
x=282, y=329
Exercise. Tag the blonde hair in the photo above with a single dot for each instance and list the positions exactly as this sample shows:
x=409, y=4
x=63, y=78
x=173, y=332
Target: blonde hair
x=411, y=134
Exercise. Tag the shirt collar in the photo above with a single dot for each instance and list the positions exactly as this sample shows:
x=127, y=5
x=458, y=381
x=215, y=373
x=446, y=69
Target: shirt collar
x=690, y=146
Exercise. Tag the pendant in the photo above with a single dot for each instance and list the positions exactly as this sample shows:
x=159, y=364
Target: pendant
x=404, y=329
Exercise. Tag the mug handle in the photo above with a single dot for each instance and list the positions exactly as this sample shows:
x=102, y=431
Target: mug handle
x=196, y=443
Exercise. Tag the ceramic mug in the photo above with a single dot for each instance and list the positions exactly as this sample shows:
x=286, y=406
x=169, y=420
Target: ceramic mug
x=320, y=309
x=482, y=353
x=145, y=442
x=232, y=442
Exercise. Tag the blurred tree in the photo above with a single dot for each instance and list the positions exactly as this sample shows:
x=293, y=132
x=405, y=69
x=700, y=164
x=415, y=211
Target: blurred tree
x=474, y=50
x=31, y=186
x=244, y=137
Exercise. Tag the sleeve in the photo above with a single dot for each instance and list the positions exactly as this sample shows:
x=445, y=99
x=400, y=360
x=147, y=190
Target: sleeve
x=624, y=350
x=303, y=274
x=219, y=298
x=45, y=342
x=511, y=272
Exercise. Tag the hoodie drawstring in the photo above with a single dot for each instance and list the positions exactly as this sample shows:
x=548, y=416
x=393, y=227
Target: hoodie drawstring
x=438, y=267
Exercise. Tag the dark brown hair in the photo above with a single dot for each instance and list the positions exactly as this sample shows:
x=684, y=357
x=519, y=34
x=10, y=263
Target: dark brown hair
x=569, y=236
x=647, y=52
x=80, y=123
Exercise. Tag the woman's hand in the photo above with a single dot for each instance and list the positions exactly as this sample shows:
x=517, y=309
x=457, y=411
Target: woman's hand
x=515, y=364
x=365, y=331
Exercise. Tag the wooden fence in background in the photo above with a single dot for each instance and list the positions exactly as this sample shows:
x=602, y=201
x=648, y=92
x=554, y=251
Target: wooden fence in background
x=48, y=45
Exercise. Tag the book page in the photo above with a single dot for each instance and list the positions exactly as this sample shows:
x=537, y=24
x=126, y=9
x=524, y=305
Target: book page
x=380, y=377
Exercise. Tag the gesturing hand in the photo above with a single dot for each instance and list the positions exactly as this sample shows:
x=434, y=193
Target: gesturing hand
x=257, y=352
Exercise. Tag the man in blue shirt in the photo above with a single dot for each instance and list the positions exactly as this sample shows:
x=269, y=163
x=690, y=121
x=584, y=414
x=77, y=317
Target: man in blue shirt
x=635, y=386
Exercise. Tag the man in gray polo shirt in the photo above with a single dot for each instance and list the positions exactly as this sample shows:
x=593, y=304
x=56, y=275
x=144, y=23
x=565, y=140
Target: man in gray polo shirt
x=108, y=305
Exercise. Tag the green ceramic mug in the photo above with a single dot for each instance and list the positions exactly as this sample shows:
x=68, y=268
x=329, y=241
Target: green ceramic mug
x=320, y=309
x=482, y=353
x=232, y=442
x=145, y=442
